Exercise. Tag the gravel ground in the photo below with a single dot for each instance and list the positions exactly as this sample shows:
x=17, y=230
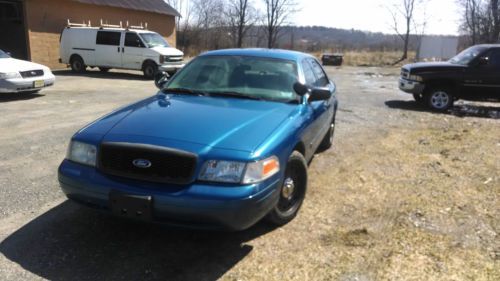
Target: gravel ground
x=405, y=194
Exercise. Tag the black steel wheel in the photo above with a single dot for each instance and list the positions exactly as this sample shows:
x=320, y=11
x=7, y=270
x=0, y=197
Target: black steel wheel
x=292, y=192
x=149, y=69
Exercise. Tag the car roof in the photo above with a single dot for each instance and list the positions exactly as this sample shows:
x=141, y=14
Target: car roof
x=264, y=53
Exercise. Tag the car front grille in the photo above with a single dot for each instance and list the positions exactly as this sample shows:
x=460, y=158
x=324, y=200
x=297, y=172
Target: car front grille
x=165, y=165
x=31, y=73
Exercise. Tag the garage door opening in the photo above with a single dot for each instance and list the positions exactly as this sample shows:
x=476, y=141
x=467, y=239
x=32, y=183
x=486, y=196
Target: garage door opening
x=12, y=29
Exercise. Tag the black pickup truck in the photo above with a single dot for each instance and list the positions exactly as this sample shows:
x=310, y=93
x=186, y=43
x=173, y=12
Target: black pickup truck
x=474, y=74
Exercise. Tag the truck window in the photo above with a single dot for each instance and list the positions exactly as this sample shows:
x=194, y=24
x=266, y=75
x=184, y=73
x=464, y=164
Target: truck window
x=133, y=40
x=108, y=38
x=494, y=58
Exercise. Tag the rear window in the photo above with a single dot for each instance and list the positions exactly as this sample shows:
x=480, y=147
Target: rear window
x=108, y=38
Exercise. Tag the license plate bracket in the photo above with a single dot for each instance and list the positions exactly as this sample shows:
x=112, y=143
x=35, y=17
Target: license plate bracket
x=38, y=84
x=137, y=207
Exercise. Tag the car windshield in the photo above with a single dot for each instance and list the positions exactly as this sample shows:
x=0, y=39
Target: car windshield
x=154, y=40
x=3, y=55
x=468, y=55
x=239, y=76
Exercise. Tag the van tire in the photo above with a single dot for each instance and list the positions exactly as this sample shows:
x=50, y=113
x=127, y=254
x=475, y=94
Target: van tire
x=149, y=69
x=77, y=64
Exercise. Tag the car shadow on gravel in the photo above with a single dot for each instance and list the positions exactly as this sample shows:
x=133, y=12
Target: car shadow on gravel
x=70, y=242
x=9, y=97
x=459, y=110
x=102, y=75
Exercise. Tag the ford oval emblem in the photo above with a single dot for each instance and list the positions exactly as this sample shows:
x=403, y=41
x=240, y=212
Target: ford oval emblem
x=142, y=163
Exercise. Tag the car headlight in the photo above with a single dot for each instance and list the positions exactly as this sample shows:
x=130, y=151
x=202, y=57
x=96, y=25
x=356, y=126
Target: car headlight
x=10, y=75
x=82, y=153
x=415, y=78
x=239, y=172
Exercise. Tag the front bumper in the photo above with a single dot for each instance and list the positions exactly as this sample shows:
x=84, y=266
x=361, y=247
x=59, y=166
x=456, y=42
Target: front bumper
x=26, y=84
x=411, y=87
x=169, y=66
x=199, y=205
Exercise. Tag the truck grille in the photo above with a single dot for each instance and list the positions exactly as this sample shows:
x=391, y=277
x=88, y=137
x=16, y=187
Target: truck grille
x=31, y=73
x=158, y=164
x=405, y=73
x=173, y=59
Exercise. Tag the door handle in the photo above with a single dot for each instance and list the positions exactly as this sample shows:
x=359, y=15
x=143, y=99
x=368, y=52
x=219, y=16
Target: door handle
x=123, y=50
x=118, y=49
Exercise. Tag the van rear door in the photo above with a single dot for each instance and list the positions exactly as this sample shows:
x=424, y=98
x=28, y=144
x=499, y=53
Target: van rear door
x=108, y=52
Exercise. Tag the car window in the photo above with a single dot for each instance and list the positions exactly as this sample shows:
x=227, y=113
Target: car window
x=264, y=78
x=308, y=73
x=133, y=40
x=321, y=79
x=494, y=58
x=108, y=38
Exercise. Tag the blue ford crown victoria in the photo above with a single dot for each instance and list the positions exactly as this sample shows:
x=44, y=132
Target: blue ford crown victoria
x=225, y=143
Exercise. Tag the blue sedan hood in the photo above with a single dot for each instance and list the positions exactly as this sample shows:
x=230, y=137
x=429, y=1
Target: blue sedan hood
x=226, y=123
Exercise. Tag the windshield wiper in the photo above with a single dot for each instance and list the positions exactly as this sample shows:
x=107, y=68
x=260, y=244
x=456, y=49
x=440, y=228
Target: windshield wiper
x=234, y=95
x=185, y=91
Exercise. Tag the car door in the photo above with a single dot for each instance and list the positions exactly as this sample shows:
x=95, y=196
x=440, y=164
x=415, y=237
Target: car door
x=322, y=109
x=108, y=50
x=133, y=50
x=482, y=78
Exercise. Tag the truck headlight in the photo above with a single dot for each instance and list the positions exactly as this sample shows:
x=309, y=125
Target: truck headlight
x=415, y=78
x=10, y=75
x=239, y=172
x=82, y=153
x=164, y=59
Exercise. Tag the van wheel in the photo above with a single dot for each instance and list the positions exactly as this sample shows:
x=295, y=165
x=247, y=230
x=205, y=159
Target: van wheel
x=439, y=98
x=149, y=69
x=292, y=191
x=77, y=64
x=104, y=69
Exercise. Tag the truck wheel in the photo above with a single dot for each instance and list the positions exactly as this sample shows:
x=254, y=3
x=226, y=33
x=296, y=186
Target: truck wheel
x=327, y=141
x=439, y=98
x=292, y=191
x=419, y=98
x=149, y=69
x=77, y=64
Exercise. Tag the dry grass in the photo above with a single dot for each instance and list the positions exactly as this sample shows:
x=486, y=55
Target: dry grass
x=372, y=58
x=418, y=204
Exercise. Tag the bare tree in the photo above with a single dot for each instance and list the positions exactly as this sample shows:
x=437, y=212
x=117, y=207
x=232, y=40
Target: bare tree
x=241, y=16
x=278, y=13
x=404, y=10
x=481, y=20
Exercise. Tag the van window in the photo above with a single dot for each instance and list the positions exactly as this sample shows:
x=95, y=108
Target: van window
x=133, y=40
x=108, y=38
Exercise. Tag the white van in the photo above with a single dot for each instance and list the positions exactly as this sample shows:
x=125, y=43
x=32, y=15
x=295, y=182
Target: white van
x=117, y=47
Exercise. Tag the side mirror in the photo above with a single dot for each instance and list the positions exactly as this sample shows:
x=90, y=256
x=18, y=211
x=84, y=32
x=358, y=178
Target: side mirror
x=161, y=78
x=482, y=61
x=320, y=94
x=300, y=89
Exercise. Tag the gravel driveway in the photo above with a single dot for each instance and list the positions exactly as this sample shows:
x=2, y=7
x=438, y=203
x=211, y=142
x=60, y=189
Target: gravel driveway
x=405, y=194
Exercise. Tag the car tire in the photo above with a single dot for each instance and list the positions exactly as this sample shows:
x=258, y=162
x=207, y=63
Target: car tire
x=149, y=69
x=327, y=141
x=104, y=69
x=77, y=64
x=439, y=98
x=292, y=192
